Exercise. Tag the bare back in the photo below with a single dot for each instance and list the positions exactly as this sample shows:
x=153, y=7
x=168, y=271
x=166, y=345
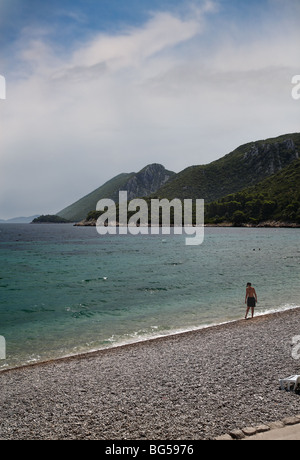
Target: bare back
x=250, y=292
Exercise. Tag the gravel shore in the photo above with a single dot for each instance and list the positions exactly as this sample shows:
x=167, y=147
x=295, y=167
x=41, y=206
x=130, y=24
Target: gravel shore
x=196, y=385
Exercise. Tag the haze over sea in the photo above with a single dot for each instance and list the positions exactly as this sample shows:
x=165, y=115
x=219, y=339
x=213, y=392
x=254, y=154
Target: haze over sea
x=65, y=290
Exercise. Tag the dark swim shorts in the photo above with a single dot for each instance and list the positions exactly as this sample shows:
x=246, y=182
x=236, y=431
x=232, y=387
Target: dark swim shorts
x=251, y=302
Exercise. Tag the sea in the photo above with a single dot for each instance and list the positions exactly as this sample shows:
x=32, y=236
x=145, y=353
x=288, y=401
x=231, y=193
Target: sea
x=66, y=290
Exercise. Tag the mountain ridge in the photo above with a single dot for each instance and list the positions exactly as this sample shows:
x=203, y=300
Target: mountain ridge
x=246, y=166
x=273, y=200
x=143, y=183
x=19, y=220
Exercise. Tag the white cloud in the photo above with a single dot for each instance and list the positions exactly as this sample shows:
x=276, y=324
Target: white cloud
x=130, y=49
x=157, y=93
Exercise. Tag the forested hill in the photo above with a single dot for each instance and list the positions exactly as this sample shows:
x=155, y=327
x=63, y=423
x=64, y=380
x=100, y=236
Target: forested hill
x=258, y=180
x=140, y=184
x=246, y=166
x=276, y=198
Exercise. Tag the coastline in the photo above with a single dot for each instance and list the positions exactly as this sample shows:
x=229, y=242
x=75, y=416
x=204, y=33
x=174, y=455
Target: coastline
x=192, y=385
x=151, y=339
x=266, y=224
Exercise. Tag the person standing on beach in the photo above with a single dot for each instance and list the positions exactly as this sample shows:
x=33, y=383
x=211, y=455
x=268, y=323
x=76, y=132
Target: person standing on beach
x=250, y=299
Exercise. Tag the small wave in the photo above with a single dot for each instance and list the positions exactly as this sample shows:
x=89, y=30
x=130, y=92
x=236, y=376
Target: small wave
x=91, y=280
x=154, y=332
x=140, y=336
x=281, y=308
x=174, y=264
x=80, y=314
x=37, y=310
x=152, y=289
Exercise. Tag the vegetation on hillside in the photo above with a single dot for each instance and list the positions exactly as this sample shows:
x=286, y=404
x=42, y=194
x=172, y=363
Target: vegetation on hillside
x=257, y=182
x=248, y=165
x=50, y=219
x=78, y=211
x=276, y=198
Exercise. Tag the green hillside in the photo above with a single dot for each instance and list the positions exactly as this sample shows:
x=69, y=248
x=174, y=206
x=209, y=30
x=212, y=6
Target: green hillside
x=143, y=183
x=49, y=219
x=245, y=166
x=276, y=198
x=79, y=210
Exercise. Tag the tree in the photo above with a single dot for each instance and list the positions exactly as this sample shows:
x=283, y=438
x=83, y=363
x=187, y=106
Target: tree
x=239, y=218
x=268, y=208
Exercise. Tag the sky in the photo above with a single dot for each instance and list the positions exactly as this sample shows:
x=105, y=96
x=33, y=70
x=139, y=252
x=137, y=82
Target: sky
x=95, y=88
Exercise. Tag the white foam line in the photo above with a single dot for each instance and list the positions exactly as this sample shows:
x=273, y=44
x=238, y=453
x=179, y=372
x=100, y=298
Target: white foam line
x=150, y=338
x=174, y=332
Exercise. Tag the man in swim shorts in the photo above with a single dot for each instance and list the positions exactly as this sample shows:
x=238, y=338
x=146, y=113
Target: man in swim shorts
x=250, y=299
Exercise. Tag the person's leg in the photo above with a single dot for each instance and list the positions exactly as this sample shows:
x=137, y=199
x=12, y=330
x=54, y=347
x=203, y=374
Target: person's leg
x=248, y=309
x=252, y=309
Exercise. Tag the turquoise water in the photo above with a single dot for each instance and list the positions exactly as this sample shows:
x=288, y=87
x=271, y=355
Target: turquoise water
x=66, y=290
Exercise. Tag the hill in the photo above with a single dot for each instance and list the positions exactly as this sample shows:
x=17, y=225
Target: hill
x=19, y=220
x=276, y=198
x=140, y=184
x=246, y=166
x=78, y=210
x=49, y=219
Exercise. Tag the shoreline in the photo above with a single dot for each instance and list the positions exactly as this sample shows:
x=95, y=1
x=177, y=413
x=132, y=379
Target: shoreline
x=266, y=224
x=195, y=385
x=173, y=335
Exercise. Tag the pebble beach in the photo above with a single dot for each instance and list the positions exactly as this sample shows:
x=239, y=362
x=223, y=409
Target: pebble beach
x=192, y=386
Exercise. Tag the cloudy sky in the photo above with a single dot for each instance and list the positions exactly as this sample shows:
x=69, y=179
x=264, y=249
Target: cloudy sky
x=100, y=87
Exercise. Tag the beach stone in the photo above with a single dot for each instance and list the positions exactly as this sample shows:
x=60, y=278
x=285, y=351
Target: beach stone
x=249, y=431
x=262, y=429
x=291, y=420
x=224, y=437
x=276, y=425
x=237, y=434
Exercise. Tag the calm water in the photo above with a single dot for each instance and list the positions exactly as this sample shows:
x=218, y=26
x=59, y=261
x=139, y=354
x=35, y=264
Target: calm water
x=66, y=290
